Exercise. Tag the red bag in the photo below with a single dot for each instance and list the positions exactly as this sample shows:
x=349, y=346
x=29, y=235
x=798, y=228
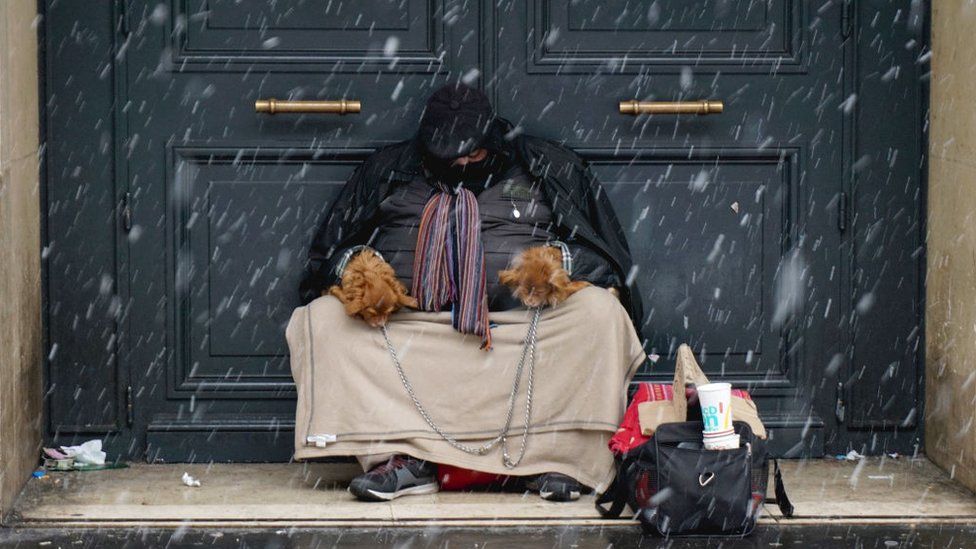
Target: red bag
x=454, y=479
x=629, y=434
x=687, y=374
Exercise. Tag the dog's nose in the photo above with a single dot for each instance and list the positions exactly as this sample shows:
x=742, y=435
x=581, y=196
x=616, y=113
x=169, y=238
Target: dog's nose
x=377, y=321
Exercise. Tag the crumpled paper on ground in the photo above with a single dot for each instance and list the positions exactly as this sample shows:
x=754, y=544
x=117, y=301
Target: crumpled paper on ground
x=190, y=481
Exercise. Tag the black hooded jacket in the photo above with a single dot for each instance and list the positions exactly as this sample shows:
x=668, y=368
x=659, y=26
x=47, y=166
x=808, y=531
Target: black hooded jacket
x=582, y=212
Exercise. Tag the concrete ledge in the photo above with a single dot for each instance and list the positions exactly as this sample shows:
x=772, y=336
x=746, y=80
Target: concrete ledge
x=873, y=491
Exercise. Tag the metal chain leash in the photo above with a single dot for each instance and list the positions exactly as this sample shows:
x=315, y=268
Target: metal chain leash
x=528, y=350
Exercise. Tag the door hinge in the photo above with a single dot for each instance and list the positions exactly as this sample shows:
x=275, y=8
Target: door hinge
x=125, y=212
x=128, y=405
x=842, y=212
x=846, y=18
x=839, y=407
x=123, y=11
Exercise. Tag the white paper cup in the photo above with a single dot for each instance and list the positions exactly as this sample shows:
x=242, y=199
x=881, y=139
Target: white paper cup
x=730, y=442
x=716, y=406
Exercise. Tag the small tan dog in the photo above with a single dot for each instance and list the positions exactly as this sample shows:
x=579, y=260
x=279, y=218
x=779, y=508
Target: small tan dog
x=370, y=290
x=537, y=277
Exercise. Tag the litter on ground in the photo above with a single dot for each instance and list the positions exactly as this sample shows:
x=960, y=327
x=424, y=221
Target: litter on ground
x=190, y=481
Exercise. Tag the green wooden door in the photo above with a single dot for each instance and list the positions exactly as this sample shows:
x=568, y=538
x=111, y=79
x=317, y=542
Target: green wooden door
x=780, y=238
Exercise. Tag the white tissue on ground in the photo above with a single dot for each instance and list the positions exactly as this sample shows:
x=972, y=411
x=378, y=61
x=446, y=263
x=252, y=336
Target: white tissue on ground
x=190, y=481
x=89, y=452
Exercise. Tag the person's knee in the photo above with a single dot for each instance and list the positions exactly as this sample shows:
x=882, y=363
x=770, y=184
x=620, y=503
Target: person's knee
x=595, y=299
x=328, y=306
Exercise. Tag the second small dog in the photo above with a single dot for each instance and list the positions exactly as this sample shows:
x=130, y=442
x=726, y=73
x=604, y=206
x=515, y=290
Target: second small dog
x=371, y=290
x=537, y=277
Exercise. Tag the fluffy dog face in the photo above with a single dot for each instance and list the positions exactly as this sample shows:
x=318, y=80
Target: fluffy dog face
x=537, y=277
x=370, y=290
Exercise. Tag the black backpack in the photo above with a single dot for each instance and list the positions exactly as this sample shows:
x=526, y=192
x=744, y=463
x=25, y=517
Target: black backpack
x=677, y=488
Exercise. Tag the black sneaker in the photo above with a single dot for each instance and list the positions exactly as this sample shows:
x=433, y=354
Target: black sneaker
x=555, y=487
x=400, y=476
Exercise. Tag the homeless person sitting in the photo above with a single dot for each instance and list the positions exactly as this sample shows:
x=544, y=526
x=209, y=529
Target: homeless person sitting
x=531, y=386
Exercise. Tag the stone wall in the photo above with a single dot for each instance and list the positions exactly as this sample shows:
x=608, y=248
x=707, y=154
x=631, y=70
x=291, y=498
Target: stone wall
x=21, y=390
x=950, y=375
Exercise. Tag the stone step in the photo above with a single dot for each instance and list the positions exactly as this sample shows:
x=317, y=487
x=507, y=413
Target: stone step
x=313, y=495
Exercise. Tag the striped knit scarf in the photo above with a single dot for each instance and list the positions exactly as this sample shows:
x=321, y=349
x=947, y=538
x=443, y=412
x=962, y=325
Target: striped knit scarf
x=449, y=262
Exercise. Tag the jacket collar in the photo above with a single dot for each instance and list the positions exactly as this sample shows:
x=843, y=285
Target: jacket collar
x=408, y=164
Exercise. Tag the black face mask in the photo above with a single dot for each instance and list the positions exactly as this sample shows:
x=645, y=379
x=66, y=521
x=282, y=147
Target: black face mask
x=473, y=176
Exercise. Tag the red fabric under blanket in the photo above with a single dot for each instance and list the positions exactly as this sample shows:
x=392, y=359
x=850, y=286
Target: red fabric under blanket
x=454, y=479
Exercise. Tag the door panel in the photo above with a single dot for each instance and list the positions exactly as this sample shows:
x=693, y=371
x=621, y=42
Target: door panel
x=240, y=235
x=708, y=240
x=623, y=36
x=675, y=16
x=887, y=263
x=370, y=35
x=576, y=93
x=82, y=305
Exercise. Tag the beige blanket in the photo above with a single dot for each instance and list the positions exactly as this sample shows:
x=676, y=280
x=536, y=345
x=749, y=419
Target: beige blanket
x=351, y=400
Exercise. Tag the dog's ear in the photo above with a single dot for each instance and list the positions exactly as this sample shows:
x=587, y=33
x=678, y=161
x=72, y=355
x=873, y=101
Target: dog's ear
x=508, y=277
x=349, y=302
x=554, y=254
x=336, y=291
x=578, y=285
x=354, y=307
x=558, y=277
x=407, y=301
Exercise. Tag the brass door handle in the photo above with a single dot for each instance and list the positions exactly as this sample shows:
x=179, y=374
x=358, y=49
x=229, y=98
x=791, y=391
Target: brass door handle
x=705, y=106
x=275, y=106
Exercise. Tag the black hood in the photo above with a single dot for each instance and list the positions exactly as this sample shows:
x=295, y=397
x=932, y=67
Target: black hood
x=455, y=122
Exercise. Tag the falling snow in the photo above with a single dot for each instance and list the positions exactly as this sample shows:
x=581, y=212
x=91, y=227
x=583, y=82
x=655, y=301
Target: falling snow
x=782, y=239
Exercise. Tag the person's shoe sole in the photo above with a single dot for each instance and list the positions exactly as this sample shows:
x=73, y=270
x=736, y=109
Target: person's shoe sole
x=374, y=495
x=560, y=496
